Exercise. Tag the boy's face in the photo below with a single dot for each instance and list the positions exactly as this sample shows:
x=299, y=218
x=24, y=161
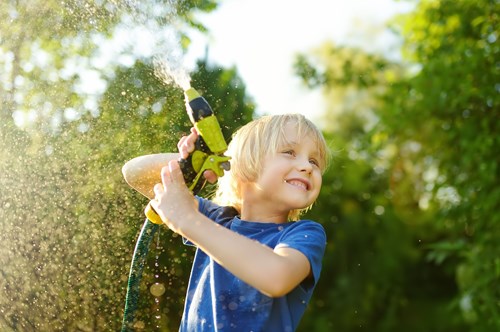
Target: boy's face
x=290, y=178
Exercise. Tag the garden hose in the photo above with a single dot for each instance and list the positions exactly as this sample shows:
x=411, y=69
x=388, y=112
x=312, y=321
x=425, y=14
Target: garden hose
x=134, y=278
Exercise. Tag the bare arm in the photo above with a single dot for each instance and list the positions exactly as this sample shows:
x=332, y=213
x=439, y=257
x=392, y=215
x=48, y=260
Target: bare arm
x=272, y=272
x=143, y=172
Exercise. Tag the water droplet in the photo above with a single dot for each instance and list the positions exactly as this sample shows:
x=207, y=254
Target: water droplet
x=157, y=289
x=139, y=325
x=379, y=210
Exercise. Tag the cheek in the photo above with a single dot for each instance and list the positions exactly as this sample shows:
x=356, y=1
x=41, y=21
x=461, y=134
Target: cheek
x=319, y=180
x=273, y=167
x=265, y=176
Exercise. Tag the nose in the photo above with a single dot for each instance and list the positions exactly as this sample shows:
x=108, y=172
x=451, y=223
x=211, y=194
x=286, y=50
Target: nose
x=304, y=165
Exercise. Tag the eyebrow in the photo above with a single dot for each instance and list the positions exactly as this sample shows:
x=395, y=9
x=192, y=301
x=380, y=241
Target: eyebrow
x=290, y=143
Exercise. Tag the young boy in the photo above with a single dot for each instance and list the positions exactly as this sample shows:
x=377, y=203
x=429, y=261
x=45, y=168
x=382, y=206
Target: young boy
x=254, y=269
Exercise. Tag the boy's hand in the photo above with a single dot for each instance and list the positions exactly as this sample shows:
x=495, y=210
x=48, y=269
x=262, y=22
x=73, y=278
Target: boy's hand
x=186, y=146
x=173, y=201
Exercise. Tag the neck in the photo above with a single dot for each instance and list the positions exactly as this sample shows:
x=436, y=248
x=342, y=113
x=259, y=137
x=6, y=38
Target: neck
x=261, y=212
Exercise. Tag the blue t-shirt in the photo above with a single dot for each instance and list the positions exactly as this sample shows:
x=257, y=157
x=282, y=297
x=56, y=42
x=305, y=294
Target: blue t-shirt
x=216, y=300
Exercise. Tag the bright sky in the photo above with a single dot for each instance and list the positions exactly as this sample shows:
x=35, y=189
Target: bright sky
x=260, y=37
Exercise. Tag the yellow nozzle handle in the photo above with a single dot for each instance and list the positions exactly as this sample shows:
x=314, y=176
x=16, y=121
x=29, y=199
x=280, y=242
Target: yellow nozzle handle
x=152, y=215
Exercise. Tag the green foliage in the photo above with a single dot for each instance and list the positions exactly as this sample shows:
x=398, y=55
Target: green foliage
x=420, y=140
x=457, y=87
x=68, y=219
x=66, y=207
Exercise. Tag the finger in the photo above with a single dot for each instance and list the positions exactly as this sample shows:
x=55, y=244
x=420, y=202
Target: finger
x=158, y=189
x=192, y=138
x=210, y=176
x=165, y=177
x=185, y=149
x=175, y=171
x=187, y=145
x=154, y=204
x=181, y=142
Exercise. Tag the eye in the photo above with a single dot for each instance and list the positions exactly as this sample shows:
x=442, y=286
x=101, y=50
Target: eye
x=314, y=162
x=289, y=152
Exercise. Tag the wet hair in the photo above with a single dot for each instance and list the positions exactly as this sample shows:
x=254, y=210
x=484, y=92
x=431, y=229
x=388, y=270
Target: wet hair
x=252, y=143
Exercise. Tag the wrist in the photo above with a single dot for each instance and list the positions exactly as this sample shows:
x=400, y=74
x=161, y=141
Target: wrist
x=188, y=222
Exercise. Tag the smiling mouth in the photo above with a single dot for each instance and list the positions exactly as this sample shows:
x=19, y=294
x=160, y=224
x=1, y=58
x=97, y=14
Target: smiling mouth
x=298, y=183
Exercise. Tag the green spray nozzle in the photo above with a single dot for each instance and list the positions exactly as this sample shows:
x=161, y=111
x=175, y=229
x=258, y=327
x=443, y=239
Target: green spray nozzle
x=191, y=94
x=209, y=147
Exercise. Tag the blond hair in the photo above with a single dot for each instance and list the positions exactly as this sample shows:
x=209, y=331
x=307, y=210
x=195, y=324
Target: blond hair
x=252, y=143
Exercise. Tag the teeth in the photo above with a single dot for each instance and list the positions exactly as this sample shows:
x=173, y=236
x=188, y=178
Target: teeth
x=297, y=184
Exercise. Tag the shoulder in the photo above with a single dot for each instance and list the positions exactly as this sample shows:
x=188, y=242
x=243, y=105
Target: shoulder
x=304, y=233
x=215, y=212
x=307, y=227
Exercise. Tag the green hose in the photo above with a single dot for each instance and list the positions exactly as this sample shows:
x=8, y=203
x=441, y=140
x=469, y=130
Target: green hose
x=134, y=278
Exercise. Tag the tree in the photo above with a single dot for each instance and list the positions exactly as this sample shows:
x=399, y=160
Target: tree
x=455, y=89
x=429, y=134
x=68, y=219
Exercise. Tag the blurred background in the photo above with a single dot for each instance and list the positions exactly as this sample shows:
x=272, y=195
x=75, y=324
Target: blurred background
x=410, y=203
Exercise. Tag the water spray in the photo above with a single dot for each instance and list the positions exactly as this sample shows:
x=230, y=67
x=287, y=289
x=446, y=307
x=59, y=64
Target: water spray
x=208, y=154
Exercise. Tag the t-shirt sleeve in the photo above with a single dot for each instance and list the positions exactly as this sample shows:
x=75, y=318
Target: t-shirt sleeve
x=206, y=207
x=217, y=213
x=309, y=238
